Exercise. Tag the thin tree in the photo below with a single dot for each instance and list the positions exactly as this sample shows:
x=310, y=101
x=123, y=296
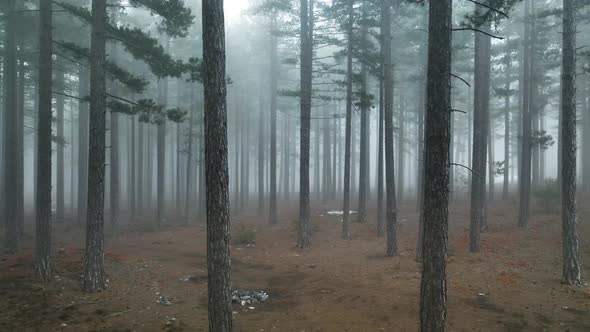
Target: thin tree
x=348, y=130
x=525, y=161
x=480, y=134
x=218, y=223
x=10, y=123
x=305, y=104
x=43, y=191
x=571, y=274
x=390, y=203
x=433, y=290
x=94, y=276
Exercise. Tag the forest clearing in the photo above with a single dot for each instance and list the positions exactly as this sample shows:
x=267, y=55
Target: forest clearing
x=336, y=285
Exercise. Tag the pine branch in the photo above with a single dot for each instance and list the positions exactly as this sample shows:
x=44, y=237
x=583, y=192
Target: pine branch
x=489, y=7
x=478, y=30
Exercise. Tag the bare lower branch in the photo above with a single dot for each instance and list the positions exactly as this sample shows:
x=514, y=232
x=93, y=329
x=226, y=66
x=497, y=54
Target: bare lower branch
x=470, y=169
x=480, y=31
x=461, y=78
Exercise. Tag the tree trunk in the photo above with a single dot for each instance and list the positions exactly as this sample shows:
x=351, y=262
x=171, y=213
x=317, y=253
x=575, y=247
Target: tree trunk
x=59, y=148
x=401, y=151
x=390, y=205
x=272, y=201
x=507, y=69
x=348, y=129
x=433, y=311
x=261, y=133
x=525, y=162
x=480, y=135
x=12, y=235
x=380, y=191
x=316, y=161
x=43, y=167
x=305, y=104
x=83, y=127
x=19, y=189
x=189, y=160
x=161, y=146
x=571, y=274
x=218, y=223
x=132, y=172
x=364, y=138
x=327, y=160
x=94, y=276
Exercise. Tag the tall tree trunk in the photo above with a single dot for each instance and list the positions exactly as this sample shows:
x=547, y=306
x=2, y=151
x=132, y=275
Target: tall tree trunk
x=316, y=161
x=327, y=160
x=189, y=159
x=287, y=157
x=83, y=128
x=491, y=167
x=11, y=242
x=218, y=223
x=305, y=103
x=272, y=200
x=19, y=189
x=525, y=163
x=433, y=311
x=114, y=175
x=480, y=135
x=401, y=151
x=348, y=129
x=390, y=205
x=94, y=276
x=59, y=147
x=507, y=69
x=141, y=169
x=261, y=134
x=132, y=172
x=586, y=135
x=43, y=167
x=380, y=191
x=364, y=138
x=571, y=274
x=161, y=146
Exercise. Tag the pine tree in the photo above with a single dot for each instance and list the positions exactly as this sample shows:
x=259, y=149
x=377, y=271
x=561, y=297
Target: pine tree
x=571, y=274
x=433, y=289
x=43, y=269
x=218, y=223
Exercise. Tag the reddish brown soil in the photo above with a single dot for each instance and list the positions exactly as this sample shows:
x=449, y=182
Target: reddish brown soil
x=336, y=285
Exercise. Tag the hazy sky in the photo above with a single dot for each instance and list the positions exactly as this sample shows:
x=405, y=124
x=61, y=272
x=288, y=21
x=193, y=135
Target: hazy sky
x=233, y=8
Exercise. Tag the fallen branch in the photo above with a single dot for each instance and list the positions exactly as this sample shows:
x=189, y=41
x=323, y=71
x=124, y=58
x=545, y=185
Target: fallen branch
x=117, y=313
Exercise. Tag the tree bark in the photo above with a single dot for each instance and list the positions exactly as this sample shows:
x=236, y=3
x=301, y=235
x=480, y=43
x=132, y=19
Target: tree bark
x=305, y=105
x=348, y=129
x=83, y=127
x=272, y=200
x=12, y=235
x=94, y=276
x=59, y=148
x=525, y=163
x=571, y=274
x=480, y=135
x=507, y=68
x=390, y=204
x=433, y=312
x=43, y=269
x=216, y=160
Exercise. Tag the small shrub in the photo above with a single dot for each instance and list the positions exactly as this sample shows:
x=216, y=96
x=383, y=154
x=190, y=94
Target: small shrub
x=244, y=235
x=548, y=195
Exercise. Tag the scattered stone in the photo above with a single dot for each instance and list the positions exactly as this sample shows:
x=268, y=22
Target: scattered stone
x=247, y=297
x=163, y=300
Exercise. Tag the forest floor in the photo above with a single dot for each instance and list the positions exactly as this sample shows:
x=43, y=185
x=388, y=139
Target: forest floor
x=336, y=285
